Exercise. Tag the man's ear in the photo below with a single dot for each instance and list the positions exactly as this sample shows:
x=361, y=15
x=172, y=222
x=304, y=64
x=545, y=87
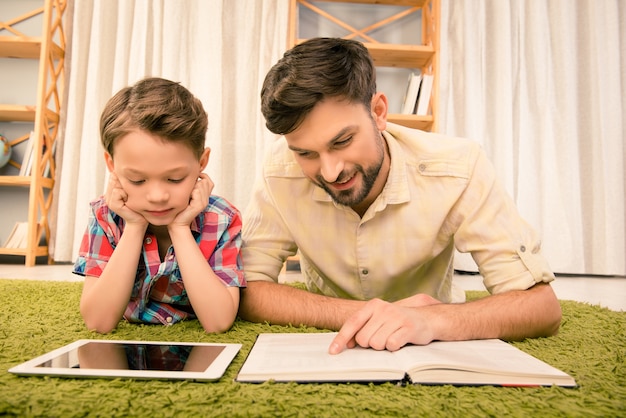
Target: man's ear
x=108, y=159
x=379, y=110
x=204, y=158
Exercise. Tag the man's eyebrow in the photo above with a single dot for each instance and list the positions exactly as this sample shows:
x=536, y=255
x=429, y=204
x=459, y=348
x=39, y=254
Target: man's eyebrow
x=331, y=141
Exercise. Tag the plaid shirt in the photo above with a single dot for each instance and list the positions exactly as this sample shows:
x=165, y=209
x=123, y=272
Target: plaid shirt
x=158, y=294
x=157, y=356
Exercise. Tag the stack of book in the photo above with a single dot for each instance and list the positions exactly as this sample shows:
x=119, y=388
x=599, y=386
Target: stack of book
x=418, y=92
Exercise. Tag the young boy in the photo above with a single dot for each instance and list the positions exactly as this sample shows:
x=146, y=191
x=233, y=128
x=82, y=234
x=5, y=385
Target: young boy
x=159, y=248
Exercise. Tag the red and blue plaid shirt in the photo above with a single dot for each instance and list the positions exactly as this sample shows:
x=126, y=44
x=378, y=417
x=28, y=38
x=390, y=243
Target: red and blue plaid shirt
x=158, y=294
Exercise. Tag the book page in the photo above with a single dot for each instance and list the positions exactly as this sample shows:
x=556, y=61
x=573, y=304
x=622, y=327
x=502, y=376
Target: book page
x=444, y=360
x=305, y=357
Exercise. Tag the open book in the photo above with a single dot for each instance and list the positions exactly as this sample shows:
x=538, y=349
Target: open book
x=305, y=358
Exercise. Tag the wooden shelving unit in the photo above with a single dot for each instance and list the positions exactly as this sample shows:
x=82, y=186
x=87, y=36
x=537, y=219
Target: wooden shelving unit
x=424, y=56
x=49, y=50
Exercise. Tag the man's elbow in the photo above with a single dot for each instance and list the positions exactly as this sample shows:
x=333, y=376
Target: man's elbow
x=552, y=312
x=249, y=309
x=553, y=319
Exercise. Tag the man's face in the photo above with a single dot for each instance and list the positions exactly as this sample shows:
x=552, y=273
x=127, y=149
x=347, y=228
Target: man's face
x=341, y=149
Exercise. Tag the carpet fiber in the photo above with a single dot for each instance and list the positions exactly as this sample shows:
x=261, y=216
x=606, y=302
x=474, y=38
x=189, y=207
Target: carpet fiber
x=38, y=316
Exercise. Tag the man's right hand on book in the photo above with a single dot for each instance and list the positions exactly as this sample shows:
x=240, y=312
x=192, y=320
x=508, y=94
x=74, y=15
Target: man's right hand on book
x=385, y=326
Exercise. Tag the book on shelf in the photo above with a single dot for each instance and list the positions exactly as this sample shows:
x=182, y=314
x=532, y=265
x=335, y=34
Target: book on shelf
x=18, y=237
x=304, y=357
x=423, y=99
x=410, y=97
x=27, y=159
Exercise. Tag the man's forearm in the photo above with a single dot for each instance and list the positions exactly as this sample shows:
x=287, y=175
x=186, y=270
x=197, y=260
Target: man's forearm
x=513, y=315
x=282, y=305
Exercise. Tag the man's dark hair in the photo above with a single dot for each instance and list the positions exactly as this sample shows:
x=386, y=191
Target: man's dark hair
x=310, y=72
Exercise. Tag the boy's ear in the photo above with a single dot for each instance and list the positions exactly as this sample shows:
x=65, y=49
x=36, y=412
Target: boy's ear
x=204, y=158
x=108, y=158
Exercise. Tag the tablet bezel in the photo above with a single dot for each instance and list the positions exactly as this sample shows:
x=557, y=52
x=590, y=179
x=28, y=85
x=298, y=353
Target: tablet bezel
x=214, y=372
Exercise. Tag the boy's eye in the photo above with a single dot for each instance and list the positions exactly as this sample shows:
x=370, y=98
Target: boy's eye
x=135, y=182
x=175, y=180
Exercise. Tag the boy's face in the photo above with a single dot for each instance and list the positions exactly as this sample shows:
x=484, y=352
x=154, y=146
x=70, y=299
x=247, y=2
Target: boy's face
x=157, y=175
x=340, y=148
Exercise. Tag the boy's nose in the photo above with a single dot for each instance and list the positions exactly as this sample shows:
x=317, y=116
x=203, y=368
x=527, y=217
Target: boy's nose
x=157, y=194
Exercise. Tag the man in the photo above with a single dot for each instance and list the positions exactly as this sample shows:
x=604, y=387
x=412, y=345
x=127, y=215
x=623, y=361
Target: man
x=376, y=211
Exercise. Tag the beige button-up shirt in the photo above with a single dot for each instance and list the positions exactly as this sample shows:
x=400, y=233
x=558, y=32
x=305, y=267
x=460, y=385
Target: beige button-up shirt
x=441, y=193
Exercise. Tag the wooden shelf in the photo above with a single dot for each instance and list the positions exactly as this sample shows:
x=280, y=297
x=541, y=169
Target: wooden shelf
x=413, y=3
x=424, y=123
x=422, y=56
x=395, y=55
x=26, y=47
x=25, y=181
x=24, y=113
x=39, y=251
x=43, y=116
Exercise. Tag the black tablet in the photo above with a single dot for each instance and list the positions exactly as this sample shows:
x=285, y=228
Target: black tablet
x=133, y=359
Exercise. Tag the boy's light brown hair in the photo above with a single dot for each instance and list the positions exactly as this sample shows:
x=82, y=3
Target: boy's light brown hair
x=158, y=106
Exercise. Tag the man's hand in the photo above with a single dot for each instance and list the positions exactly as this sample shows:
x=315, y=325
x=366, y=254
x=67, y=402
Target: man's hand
x=197, y=201
x=116, y=198
x=386, y=326
x=415, y=301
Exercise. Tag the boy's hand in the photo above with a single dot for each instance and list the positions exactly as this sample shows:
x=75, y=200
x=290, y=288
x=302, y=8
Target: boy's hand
x=116, y=198
x=197, y=201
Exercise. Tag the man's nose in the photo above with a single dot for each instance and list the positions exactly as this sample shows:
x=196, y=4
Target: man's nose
x=331, y=167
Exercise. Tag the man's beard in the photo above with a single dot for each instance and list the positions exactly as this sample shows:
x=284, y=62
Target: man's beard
x=352, y=197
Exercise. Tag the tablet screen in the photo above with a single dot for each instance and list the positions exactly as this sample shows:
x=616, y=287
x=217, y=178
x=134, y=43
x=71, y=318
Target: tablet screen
x=137, y=359
x=133, y=356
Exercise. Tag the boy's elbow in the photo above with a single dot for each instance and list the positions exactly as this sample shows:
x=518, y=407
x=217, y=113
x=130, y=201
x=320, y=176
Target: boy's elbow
x=99, y=327
x=217, y=328
x=218, y=325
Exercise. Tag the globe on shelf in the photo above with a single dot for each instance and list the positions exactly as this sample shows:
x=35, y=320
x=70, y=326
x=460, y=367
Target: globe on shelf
x=5, y=151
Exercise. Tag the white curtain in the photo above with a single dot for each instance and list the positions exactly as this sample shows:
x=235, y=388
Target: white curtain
x=542, y=86
x=218, y=49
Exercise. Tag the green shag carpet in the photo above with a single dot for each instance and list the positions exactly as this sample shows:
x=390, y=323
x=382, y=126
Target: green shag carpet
x=38, y=316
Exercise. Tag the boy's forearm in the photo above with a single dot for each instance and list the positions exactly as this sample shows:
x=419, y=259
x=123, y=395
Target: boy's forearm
x=105, y=298
x=213, y=302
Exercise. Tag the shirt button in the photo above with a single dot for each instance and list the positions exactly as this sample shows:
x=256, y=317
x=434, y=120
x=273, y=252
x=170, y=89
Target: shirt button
x=148, y=240
x=169, y=319
x=522, y=248
x=365, y=272
x=422, y=167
